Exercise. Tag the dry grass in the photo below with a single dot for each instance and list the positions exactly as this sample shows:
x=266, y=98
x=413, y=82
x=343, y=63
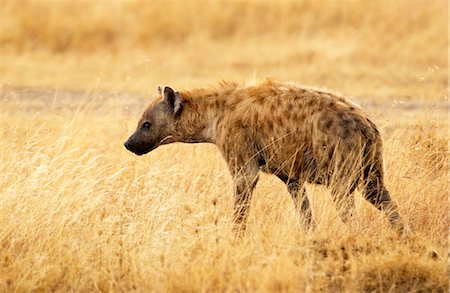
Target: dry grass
x=78, y=212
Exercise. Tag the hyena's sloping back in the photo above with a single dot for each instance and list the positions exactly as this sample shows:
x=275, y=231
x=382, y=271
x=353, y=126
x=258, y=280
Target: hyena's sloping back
x=295, y=131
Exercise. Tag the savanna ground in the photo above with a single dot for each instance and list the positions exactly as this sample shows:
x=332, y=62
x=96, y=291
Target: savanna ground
x=80, y=213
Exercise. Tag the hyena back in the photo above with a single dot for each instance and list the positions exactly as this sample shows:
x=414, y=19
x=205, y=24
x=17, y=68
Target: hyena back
x=301, y=135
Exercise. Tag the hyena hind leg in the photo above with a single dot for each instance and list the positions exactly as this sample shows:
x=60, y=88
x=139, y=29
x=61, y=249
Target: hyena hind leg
x=376, y=193
x=344, y=200
x=343, y=182
x=301, y=201
x=379, y=196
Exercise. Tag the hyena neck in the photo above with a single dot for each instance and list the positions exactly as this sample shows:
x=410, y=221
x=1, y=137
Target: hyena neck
x=201, y=111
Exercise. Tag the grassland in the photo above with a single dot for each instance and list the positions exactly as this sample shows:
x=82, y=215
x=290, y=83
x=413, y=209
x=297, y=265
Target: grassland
x=79, y=213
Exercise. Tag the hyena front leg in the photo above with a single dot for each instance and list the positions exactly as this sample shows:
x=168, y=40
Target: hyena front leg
x=245, y=175
x=243, y=165
x=245, y=182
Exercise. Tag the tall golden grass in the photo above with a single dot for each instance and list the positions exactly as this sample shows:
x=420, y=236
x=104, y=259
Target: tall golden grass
x=80, y=213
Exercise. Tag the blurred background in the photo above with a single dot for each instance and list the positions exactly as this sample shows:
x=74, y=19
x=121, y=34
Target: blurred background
x=80, y=213
x=378, y=49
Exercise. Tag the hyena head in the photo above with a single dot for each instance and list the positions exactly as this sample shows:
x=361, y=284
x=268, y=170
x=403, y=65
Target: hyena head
x=157, y=124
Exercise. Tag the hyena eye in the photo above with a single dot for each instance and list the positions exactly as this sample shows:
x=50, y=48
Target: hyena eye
x=146, y=125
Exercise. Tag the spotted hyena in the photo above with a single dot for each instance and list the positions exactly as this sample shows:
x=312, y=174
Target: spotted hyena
x=301, y=135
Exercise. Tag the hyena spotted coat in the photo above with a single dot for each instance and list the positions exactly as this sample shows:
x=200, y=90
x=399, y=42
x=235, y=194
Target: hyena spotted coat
x=302, y=135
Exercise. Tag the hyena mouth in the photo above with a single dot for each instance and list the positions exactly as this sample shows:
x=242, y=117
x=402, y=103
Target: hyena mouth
x=151, y=148
x=143, y=152
x=147, y=150
x=139, y=150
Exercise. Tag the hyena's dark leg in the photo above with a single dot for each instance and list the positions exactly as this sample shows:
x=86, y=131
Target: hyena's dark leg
x=376, y=193
x=300, y=198
x=301, y=201
x=374, y=189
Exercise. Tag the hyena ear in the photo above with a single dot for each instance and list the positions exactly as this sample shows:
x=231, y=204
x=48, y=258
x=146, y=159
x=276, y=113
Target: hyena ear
x=174, y=100
x=159, y=90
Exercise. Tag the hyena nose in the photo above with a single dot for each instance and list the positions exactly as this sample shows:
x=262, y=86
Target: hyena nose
x=127, y=145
